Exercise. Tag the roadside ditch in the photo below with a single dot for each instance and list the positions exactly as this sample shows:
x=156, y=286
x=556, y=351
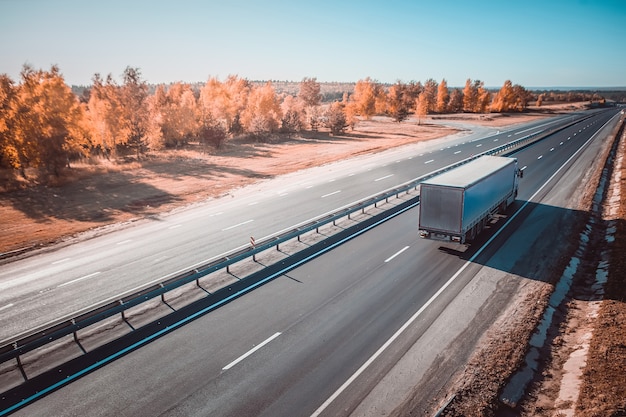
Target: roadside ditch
x=542, y=357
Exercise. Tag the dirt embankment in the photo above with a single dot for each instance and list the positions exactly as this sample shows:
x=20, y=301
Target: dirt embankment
x=584, y=369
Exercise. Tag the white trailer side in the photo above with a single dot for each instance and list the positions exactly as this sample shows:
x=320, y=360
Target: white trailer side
x=456, y=204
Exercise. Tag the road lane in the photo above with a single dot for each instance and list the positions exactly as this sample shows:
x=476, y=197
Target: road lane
x=158, y=249
x=334, y=313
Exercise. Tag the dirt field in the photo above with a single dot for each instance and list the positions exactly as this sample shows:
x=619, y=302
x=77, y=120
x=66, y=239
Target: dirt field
x=100, y=197
x=93, y=196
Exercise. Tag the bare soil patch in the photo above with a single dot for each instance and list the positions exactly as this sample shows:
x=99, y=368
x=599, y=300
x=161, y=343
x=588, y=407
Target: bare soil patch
x=93, y=195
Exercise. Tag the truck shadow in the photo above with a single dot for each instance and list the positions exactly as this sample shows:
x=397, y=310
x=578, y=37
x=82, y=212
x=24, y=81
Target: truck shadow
x=539, y=242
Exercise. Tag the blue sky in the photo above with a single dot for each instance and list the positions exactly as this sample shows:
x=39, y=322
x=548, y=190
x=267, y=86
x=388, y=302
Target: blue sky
x=535, y=43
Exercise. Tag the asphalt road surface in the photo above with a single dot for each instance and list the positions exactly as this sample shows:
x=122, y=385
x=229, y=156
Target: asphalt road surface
x=321, y=338
x=39, y=289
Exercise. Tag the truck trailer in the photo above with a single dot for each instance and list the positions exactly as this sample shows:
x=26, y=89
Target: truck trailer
x=456, y=205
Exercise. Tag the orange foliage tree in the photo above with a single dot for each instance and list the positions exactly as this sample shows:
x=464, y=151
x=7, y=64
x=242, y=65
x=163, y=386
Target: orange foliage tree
x=175, y=113
x=45, y=120
x=396, y=102
x=262, y=114
x=443, y=97
x=367, y=94
x=510, y=98
x=9, y=147
x=104, y=109
x=428, y=97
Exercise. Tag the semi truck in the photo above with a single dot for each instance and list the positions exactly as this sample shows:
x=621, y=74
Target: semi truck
x=456, y=205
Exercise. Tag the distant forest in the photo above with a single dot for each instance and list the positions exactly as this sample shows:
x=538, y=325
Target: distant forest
x=46, y=124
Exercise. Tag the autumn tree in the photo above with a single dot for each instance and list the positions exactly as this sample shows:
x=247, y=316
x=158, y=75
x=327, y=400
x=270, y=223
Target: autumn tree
x=223, y=102
x=313, y=117
x=470, y=96
x=540, y=99
x=211, y=132
x=106, y=127
x=309, y=92
x=428, y=97
x=262, y=113
x=365, y=96
x=421, y=106
x=336, y=118
x=443, y=97
x=134, y=111
x=175, y=112
x=483, y=99
x=522, y=96
x=455, y=105
x=413, y=90
x=349, y=109
x=397, y=106
x=510, y=98
x=504, y=99
x=293, y=114
x=47, y=127
x=9, y=148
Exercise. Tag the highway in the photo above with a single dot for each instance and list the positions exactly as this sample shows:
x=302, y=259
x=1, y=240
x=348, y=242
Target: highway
x=53, y=284
x=320, y=338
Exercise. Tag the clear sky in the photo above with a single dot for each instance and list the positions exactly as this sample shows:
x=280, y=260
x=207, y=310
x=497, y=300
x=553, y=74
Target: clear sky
x=534, y=43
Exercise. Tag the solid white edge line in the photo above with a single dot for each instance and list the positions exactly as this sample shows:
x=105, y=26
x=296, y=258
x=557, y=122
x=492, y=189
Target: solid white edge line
x=251, y=351
x=396, y=254
x=397, y=334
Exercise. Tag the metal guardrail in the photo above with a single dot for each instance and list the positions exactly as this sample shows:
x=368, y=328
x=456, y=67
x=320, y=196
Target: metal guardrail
x=28, y=341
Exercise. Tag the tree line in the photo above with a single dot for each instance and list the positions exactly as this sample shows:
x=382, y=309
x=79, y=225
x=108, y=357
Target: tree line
x=44, y=125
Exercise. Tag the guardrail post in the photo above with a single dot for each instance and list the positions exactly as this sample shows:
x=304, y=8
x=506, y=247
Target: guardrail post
x=124, y=318
x=19, y=364
x=76, y=338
